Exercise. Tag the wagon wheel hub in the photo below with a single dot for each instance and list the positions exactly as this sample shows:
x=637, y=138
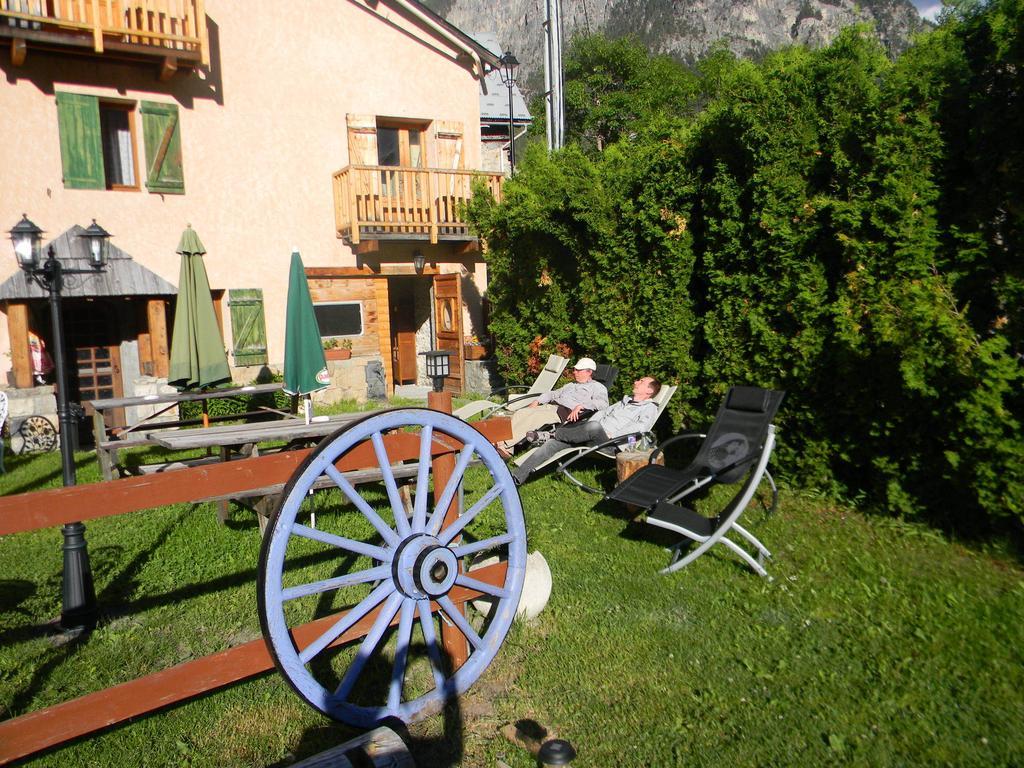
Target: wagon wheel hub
x=424, y=568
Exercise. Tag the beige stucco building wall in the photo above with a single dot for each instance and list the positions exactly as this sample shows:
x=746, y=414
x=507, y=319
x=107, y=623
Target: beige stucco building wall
x=262, y=132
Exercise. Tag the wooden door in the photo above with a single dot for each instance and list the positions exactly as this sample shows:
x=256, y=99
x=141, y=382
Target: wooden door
x=448, y=326
x=94, y=356
x=98, y=373
x=403, y=329
x=401, y=147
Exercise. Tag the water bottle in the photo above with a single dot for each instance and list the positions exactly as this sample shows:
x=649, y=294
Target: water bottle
x=631, y=443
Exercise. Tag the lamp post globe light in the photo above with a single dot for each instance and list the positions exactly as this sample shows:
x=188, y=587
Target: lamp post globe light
x=78, y=606
x=509, y=67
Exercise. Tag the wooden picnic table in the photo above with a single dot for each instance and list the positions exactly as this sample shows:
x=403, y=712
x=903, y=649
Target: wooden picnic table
x=245, y=440
x=235, y=436
x=140, y=433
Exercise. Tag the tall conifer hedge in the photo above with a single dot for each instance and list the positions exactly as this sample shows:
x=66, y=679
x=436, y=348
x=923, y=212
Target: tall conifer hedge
x=830, y=222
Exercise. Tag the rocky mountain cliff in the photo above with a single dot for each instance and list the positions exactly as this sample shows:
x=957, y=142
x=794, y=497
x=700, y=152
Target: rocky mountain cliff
x=684, y=30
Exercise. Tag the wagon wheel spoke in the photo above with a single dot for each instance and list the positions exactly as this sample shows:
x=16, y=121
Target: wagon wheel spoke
x=383, y=563
x=348, y=580
x=430, y=640
x=346, y=622
x=403, y=640
x=358, y=547
x=367, y=647
x=456, y=617
x=441, y=507
x=397, y=505
x=483, y=545
x=419, y=513
x=353, y=495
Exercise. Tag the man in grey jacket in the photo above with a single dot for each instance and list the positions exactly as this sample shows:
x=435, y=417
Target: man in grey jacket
x=582, y=396
x=636, y=413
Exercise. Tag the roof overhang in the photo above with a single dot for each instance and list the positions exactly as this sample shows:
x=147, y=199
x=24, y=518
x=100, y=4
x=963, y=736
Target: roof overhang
x=483, y=59
x=122, y=277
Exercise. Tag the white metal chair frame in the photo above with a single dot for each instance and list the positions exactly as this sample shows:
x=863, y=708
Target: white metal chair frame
x=669, y=516
x=544, y=382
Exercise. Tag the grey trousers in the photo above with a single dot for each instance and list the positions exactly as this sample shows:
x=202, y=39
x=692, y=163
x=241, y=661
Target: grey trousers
x=566, y=436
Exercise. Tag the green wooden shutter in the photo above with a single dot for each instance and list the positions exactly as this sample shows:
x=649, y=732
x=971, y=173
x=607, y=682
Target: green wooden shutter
x=161, y=131
x=248, y=327
x=81, y=146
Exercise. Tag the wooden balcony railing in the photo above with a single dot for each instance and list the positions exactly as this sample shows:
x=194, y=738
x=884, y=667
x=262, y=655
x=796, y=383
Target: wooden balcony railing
x=373, y=201
x=167, y=27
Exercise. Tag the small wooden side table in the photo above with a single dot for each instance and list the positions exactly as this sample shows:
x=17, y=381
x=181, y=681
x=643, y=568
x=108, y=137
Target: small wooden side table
x=628, y=462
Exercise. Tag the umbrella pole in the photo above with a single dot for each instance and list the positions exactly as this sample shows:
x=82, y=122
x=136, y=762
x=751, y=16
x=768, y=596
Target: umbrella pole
x=307, y=406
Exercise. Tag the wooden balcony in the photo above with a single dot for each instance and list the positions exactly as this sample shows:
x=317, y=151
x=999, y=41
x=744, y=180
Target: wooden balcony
x=170, y=30
x=381, y=202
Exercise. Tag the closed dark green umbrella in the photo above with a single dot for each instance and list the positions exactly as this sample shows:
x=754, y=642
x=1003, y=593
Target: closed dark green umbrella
x=198, y=358
x=305, y=369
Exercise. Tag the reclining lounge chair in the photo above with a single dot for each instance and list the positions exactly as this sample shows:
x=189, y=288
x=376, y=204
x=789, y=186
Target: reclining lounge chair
x=736, y=447
x=544, y=382
x=606, y=450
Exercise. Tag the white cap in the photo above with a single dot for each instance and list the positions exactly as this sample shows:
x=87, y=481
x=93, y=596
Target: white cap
x=585, y=364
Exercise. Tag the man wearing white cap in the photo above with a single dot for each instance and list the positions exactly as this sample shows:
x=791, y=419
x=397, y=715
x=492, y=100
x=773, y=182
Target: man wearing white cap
x=570, y=403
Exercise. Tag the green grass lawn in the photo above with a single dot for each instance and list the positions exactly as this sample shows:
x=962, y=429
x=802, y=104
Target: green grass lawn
x=877, y=643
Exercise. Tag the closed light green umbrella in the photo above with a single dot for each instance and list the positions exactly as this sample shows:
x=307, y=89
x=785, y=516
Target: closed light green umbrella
x=198, y=358
x=305, y=369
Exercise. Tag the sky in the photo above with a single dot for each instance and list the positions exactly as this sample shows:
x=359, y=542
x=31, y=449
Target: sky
x=929, y=9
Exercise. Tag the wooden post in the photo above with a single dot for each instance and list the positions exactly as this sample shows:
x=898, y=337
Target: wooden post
x=107, y=458
x=97, y=27
x=157, y=321
x=455, y=643
x=434, y=205
x=17, y=330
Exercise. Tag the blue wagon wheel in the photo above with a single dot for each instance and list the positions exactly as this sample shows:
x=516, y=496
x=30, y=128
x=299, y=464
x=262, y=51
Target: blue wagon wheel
x=382, y=573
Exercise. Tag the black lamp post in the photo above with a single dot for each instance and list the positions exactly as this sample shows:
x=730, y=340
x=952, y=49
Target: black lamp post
x=509, y=65
x=438, y=366
x=79, y=598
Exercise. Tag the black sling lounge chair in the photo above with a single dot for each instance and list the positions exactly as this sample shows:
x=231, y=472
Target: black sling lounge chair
x=737, y=446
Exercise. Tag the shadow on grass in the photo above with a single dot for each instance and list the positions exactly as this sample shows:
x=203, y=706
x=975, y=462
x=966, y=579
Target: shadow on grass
x=65, y=646
x=442, y=751
x=123, y=583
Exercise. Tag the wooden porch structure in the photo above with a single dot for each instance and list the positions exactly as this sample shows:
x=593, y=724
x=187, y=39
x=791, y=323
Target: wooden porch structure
x=171, y=30
x=380, y=201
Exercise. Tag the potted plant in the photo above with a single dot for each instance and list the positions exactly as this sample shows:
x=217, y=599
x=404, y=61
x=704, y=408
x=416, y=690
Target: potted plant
x=337, y=349
x=473, y=348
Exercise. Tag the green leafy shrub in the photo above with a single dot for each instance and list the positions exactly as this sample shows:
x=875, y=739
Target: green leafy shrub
x=813, y=227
